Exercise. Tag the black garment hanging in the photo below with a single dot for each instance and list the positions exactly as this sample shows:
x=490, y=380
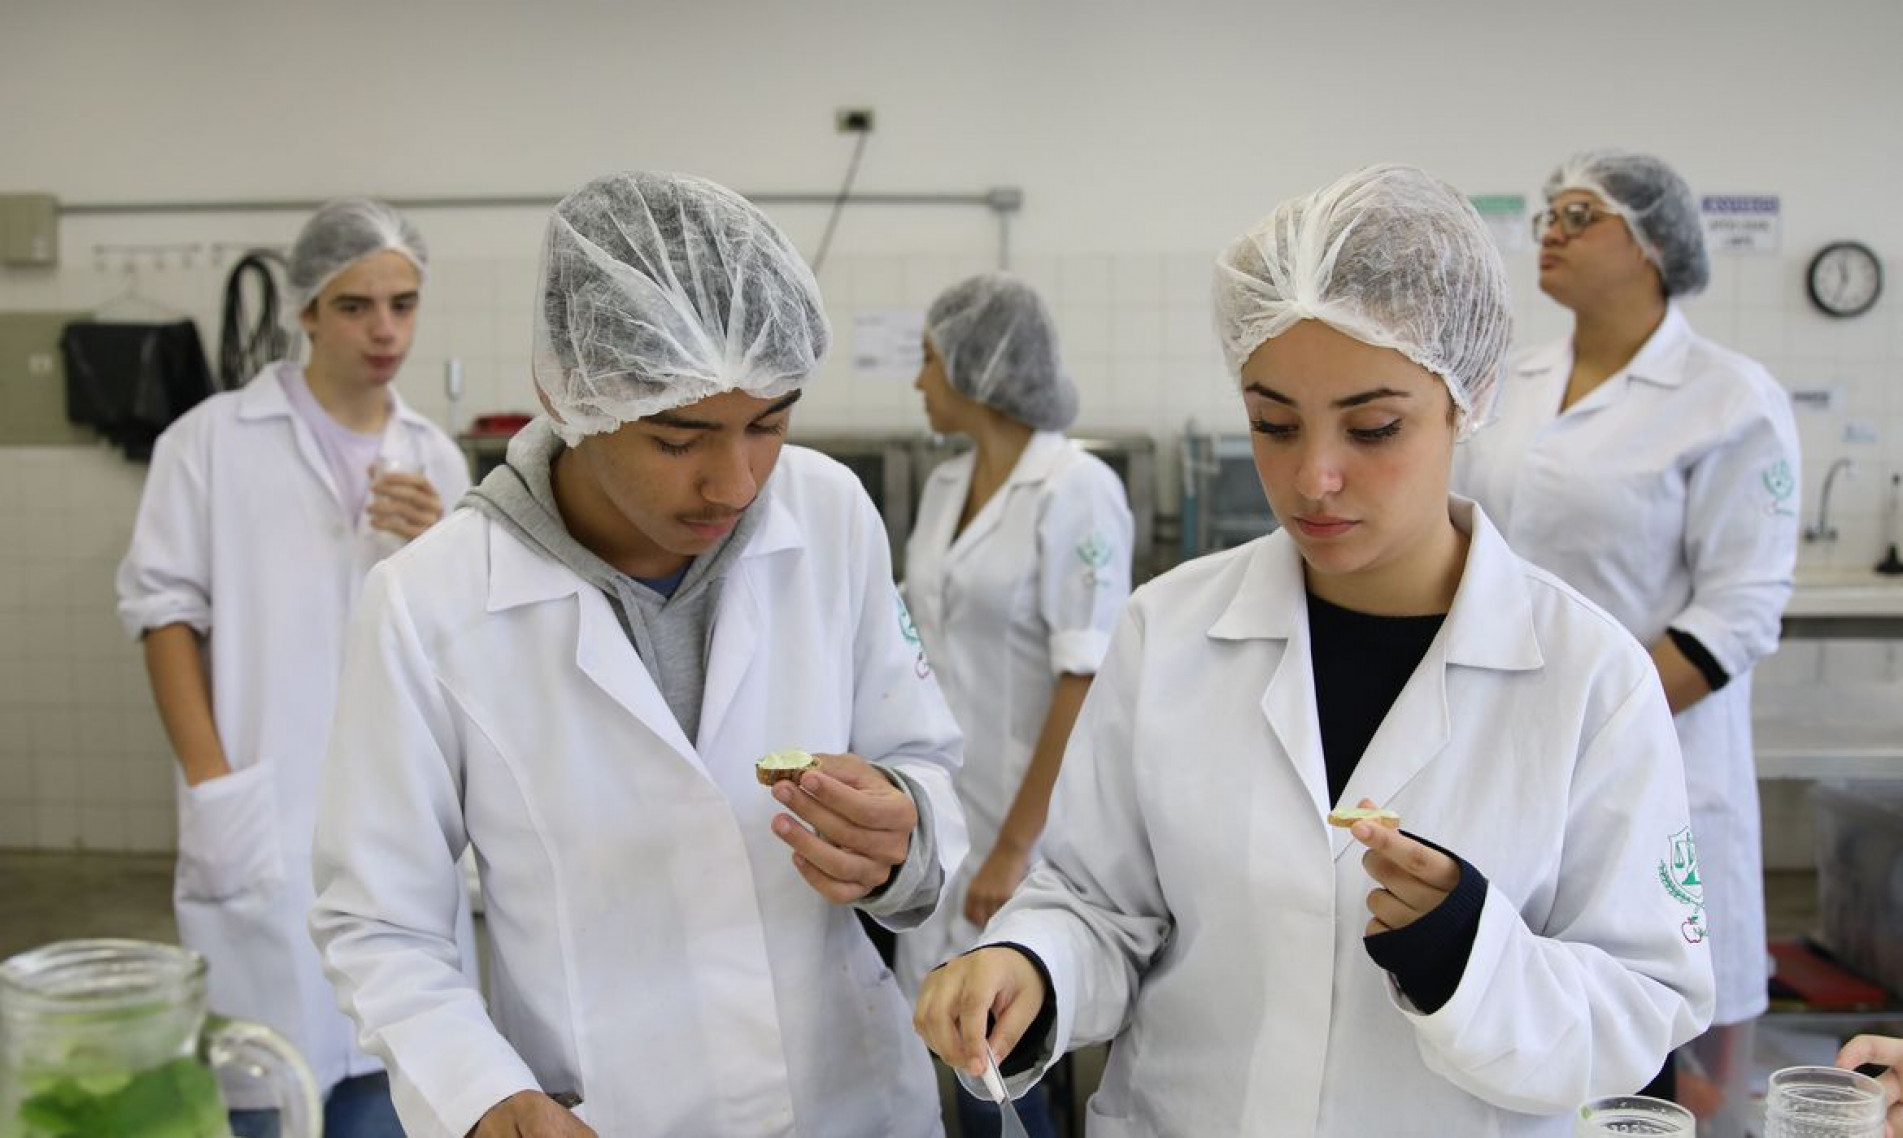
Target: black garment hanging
x=130, y=381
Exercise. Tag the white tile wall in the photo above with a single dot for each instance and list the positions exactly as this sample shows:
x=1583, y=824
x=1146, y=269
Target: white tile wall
x=84, y=763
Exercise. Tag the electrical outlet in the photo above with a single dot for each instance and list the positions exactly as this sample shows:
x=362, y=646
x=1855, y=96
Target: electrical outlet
x=853, y=120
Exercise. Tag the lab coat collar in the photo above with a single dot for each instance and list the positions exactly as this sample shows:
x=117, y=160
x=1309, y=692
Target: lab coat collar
x=1545, y=358
x=519, y=575
x=1490, y=624
x=1661, y=361
x=1043, y=456
x=264, y=396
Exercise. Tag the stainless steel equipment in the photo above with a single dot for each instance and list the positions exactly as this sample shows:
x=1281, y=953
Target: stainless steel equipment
x=1223, y=503
x=886, y=466
x=486, y=443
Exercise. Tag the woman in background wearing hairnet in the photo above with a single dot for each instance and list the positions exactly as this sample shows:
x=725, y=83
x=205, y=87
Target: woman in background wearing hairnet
x=575, y=676
x=263, y=512
x=1656, y=472
x=1507, y=954
x=1015, y=573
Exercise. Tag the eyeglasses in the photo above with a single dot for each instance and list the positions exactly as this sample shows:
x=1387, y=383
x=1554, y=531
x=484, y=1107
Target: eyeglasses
x=1572, y=218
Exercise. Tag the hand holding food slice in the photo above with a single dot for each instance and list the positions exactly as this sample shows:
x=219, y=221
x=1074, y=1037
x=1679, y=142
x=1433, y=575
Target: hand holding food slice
x=858, y=823
x=1414, y=877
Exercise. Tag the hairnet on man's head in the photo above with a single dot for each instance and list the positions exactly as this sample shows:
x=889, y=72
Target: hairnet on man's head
x=659, y=290
x=340, y=234
x=999, y=347
x=1657, y=205
x=1387, y=255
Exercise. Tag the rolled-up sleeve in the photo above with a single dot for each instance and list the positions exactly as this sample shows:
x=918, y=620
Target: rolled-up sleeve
x=1084, y=534
x=165, y=577
x=1741, y=517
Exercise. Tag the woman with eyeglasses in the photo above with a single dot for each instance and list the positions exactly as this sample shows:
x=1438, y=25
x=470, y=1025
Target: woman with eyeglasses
x=1657, y=472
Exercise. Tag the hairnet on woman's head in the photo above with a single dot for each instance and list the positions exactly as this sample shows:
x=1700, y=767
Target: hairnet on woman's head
x=340, y=234
x=999, y=347
x=658, y=290
x=1657, y=205
x=1387, y=255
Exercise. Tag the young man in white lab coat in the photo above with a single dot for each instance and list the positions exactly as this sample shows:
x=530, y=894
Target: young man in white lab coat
x=1531, y=940
x=264, y=510
x=576, y=678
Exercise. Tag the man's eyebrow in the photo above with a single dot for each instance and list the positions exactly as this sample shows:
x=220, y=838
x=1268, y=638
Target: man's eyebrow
x=780, y=404
x=683, y=423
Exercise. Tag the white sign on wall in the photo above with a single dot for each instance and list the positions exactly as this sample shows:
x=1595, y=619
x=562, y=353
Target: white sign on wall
x=886, y=344
x=1505, y=215
x=1742, y=223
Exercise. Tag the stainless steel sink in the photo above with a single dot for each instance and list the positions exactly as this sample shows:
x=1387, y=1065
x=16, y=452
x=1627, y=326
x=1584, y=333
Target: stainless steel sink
x=1845, y=603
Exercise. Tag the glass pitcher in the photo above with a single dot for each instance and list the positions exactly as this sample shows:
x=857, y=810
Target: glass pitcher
x=109, y=1039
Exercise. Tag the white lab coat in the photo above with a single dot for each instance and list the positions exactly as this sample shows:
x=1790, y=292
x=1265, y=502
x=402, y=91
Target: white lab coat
x=1029, y=591
x=653, y=948
x=1669, y=496
x=242, y=534
x=1196, y=907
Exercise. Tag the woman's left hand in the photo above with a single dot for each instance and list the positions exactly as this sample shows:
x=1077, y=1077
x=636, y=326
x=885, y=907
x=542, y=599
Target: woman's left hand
x=1414, y=878
x=994, y=883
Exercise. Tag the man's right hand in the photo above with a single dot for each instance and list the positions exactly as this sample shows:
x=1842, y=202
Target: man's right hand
x=530, y=1114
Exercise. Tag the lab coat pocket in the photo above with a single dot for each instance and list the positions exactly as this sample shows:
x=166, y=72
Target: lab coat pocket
x=227, y=836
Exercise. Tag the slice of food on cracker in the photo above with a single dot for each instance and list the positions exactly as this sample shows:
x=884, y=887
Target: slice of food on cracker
x=1348, y=815
x=778, y=766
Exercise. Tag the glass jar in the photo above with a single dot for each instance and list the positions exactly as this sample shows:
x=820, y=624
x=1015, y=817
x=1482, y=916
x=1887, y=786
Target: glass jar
x=110, y=1039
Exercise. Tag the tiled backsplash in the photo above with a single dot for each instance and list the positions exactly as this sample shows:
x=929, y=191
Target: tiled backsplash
x=84, y=763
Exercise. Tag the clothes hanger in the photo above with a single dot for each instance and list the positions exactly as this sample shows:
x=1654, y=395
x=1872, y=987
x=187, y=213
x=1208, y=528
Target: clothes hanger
x=131, y=305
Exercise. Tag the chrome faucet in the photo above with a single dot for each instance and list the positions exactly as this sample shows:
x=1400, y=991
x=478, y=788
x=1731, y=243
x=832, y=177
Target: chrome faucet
x=1823, y=530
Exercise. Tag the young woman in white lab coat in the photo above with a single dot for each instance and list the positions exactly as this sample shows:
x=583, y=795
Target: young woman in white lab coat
x=1015, y=572
x=1657, y=473
x=1528, y=940
x=671, y=951
x=259, y=521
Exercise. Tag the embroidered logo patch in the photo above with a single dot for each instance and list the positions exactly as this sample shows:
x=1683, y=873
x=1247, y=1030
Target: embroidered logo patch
x=1678, y=873
x=1781, y=485
x=920, y=665
x=1095, y=552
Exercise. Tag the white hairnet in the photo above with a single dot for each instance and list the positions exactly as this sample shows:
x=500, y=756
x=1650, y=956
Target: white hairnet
x=1657, y=205
x=1387, y=255
x=659, y=290
x=340, y=234
x=999, y=346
